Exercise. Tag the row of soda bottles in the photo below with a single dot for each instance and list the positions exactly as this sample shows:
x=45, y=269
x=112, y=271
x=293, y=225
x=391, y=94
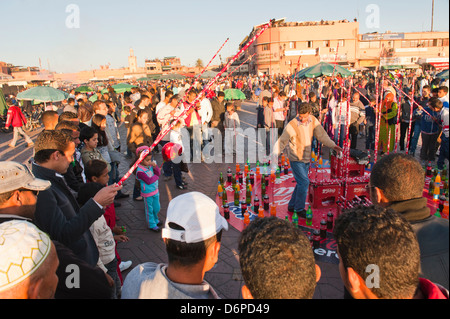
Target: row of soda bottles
x=438, y=189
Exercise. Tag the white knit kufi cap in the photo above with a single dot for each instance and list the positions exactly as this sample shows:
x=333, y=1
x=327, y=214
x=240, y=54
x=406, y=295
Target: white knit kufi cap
x=23, y=249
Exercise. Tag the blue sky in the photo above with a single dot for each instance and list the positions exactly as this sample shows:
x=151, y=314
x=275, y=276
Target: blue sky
x=33, y=29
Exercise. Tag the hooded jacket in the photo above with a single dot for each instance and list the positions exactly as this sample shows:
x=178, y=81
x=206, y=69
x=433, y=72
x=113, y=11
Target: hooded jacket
x=433, y=236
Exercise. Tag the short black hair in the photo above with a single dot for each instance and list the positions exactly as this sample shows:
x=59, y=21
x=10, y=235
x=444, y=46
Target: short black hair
x=304, y=108
x=378, y=236
x=95, y=168
x=399, y=176
x=276, y=260
x=87, y=133
x=181, y=254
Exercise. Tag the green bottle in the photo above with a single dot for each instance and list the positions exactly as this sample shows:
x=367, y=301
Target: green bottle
x=248, y=196
x=295, y=219
x=221, y=178
x=224, y=197
x=438, y=213
x=309, y=216
x=236, y=197
x=431, y=187
x=263, y=189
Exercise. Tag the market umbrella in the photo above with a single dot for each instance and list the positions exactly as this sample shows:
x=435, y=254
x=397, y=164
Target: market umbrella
x=123, y=87
x=234, y=94
x=173, y=76
x=321, y=69
x=84, y=89
x=43, y=94
x=443, y=75
x=3, y=106
x=208, y=74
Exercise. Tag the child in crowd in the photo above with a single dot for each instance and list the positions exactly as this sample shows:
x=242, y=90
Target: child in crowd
x=370, y=120
x=430, y=129
x=89, y=137
x=147, y=173
x=231, y=123
x=103, y=238
x=97, y=172
x=175, y=137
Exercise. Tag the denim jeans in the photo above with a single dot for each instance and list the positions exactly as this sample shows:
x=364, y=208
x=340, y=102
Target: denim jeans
x=300, y=172
x=414, y=138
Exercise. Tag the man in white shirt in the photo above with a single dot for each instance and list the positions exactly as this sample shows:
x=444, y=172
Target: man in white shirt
x=164, y=102
x=205, y=112
x=279, y=111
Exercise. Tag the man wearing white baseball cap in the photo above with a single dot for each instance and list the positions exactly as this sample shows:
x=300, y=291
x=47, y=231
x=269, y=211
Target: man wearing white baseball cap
x=192, y=235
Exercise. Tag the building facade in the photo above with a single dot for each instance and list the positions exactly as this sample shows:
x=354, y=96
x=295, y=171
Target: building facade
x=288, y=46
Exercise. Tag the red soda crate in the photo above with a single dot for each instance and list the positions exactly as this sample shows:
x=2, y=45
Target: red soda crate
x=337, y=167
x=324, y=196
x=357, y=189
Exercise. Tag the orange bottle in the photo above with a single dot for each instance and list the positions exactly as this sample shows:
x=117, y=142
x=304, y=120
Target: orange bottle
x=272, y=177
x=246, y=219
x=261, y=212
x=238, y=168
x=273, y=211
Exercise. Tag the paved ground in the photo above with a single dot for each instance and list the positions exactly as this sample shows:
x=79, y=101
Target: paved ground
x=145, y=245
x=225, y=277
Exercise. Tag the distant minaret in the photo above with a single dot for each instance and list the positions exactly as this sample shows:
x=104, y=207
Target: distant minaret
x=132, y=62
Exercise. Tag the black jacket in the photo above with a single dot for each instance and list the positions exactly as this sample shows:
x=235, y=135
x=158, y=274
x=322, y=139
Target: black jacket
x=59, y=215
x=433, y=236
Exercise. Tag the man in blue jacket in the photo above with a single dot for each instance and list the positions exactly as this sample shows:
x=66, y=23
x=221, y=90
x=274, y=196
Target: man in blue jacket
x=430, y=129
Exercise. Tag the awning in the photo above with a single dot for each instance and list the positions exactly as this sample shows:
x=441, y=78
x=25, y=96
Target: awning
x=440, y=65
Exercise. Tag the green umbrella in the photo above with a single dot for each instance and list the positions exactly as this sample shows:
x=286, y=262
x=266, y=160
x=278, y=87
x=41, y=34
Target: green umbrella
x=443, y=75
x=234, y=94
x=321, y=69
x=3, y=107
x=208, y=75
x=173, y=76
x=84, y=89
x=43, y=94
x=123, y=87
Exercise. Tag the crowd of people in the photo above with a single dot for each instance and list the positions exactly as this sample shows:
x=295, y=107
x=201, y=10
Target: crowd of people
x=65, y=205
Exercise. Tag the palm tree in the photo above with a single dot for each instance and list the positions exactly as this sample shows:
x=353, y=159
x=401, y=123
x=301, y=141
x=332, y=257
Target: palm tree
x=199, y=64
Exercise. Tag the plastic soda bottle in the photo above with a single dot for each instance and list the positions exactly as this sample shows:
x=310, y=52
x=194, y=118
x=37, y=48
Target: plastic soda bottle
x=256, y=204
x=330, y=218
x=248, y=196
x=226, y=211
x=236, y=196
x=224, y=197
x=316, y=238
x=295, y=218
x=273, y=211
x=246, y=219
x=266, y=202
x=272, y=177
x=220, y=190
x=229, y=175
x=323, y=227
x=309, y=216
x=438, y=213
x=238, y=168
x=437, y=188
x=260, y=212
